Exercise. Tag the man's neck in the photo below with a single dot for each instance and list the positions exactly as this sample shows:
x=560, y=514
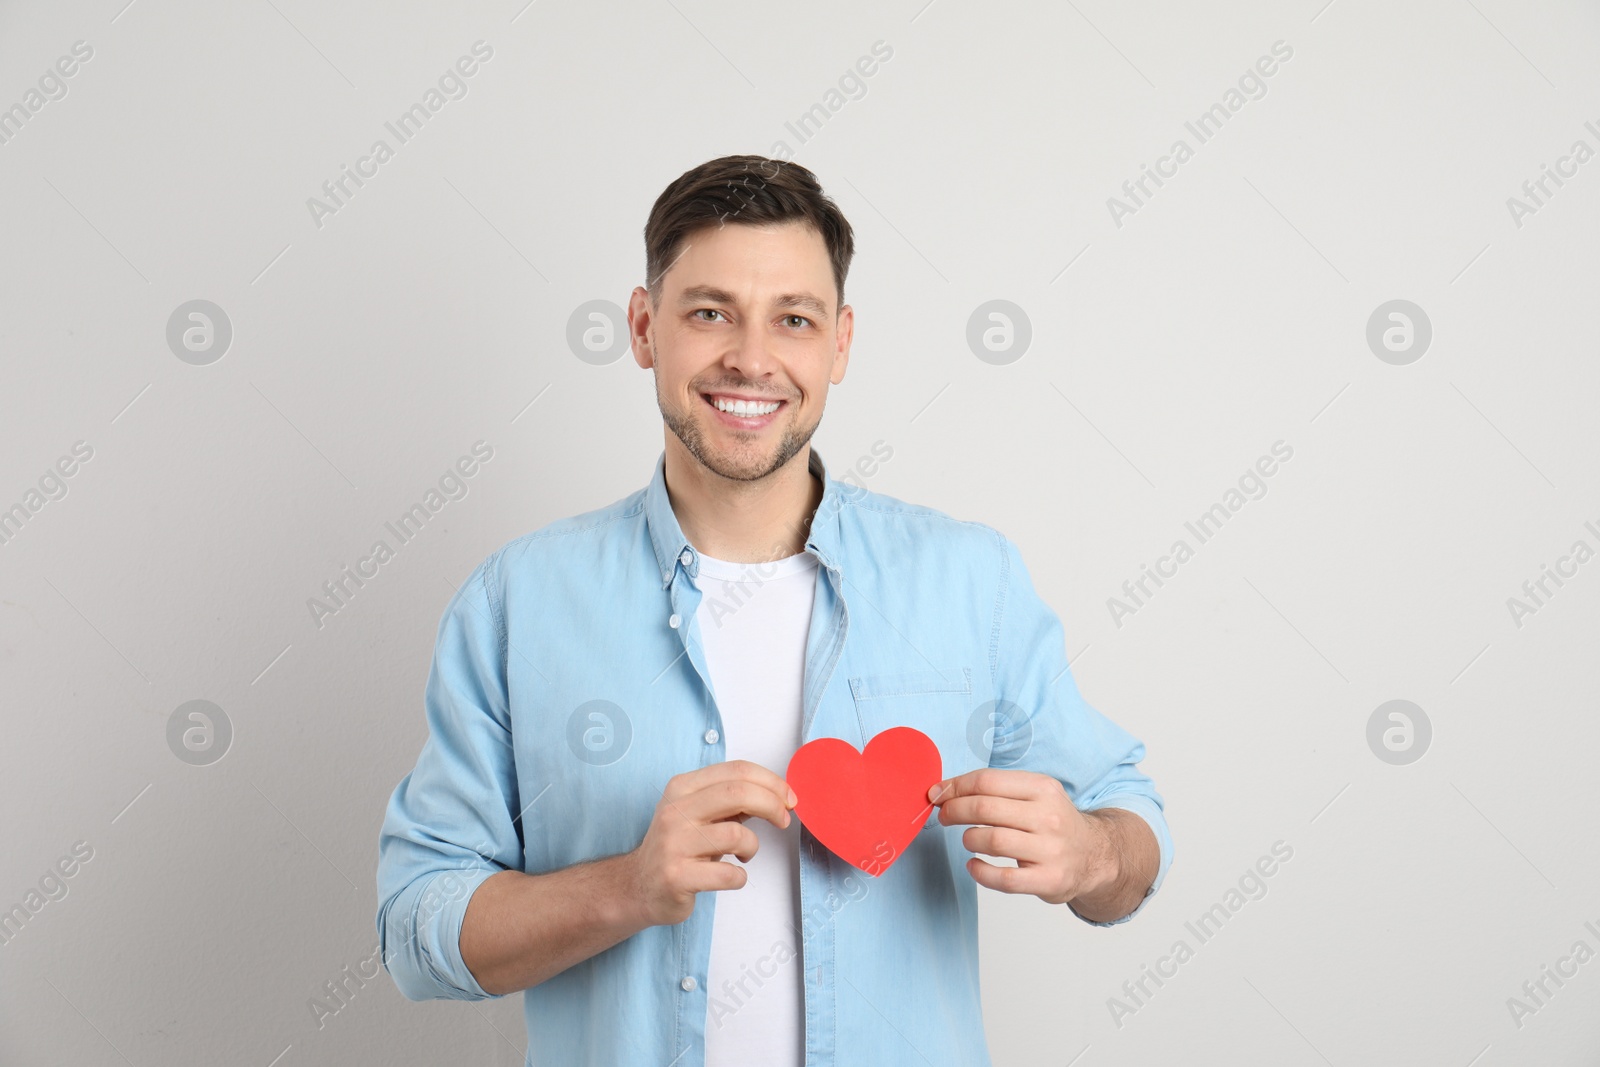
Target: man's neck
x=742, y=522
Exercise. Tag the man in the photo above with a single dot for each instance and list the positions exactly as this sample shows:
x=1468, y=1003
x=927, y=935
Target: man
x=598, y=816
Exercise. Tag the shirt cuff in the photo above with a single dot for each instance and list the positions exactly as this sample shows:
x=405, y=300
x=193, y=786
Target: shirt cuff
x=421, y=936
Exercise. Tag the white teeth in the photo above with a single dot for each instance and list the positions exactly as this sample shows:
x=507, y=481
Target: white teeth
x=746, y=408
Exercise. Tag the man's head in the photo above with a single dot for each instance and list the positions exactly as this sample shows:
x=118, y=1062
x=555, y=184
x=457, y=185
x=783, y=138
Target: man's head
x=745, y=260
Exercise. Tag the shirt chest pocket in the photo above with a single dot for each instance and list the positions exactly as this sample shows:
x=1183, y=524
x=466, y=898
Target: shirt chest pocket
x=937, y=701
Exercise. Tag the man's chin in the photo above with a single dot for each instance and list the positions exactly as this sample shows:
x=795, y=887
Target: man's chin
x=744, y=457
x=741, y=465
x=746, y=461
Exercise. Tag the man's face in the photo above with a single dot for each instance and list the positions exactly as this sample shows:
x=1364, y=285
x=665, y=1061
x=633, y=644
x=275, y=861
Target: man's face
x=744, y=344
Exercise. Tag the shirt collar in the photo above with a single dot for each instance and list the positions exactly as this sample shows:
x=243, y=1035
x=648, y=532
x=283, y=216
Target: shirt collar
x=673, y=549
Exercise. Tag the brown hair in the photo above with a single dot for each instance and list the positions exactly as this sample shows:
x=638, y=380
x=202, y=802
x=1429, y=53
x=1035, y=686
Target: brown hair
x=754, y=190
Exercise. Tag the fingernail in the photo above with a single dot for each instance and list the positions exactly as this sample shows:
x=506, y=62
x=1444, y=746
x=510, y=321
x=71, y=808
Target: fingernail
x=933, y=791
x=793, y=800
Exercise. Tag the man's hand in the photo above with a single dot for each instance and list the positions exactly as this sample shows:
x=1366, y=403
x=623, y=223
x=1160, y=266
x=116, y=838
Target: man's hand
x=698, y=820
x=1094, y=860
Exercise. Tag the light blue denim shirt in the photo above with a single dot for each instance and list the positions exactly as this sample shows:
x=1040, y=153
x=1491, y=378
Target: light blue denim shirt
x=569, y=684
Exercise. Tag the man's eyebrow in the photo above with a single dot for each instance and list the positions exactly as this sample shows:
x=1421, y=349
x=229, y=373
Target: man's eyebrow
x=696, y=294
x=803, y=301
x=711, y=294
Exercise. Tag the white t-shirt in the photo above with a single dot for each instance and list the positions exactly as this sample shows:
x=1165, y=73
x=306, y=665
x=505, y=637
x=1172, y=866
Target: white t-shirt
x=753, y=621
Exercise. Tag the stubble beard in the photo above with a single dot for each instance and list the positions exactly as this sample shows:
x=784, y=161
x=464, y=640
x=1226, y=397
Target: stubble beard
x=744, y=467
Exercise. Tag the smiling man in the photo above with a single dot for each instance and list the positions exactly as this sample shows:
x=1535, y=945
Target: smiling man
x=598, y=815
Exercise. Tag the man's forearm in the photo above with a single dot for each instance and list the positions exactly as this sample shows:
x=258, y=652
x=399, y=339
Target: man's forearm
x=520, y=929
x=1125, y=867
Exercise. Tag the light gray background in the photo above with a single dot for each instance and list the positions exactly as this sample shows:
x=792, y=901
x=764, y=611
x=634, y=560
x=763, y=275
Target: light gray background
x=1168, y=353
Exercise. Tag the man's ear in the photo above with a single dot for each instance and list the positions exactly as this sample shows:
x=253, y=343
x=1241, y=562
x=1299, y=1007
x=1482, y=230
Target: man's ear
x=639, y=322
x=844, y=335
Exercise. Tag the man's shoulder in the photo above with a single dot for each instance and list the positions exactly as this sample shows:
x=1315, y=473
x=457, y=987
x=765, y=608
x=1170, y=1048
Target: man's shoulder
x=579, y=533
x=918, y=531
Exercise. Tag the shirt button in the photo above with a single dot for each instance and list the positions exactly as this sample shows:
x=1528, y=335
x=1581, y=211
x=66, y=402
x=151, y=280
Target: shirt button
x=711, y=737
x=673, y=620
x=687, y=557
x=688, y=983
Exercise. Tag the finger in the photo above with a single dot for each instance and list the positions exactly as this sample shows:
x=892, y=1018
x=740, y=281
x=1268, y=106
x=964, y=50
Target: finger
x=731, y=796
x=722, y=838
x=730, y=875
x=743, y=770
x=754, y=772
x=689, y=837
x=1006, y=879
x=985, y=810
x=716, y=876
x=1006, y=843
x=995, y=781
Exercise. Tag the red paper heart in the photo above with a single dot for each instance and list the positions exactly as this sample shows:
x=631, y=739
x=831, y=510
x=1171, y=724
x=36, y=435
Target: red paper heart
x=865, y=806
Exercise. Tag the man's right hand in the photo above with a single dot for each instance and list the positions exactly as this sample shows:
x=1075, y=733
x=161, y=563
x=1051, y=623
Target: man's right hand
x=700, y=819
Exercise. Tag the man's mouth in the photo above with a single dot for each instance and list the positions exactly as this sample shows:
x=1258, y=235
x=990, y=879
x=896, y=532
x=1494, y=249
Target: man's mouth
x=744, y=412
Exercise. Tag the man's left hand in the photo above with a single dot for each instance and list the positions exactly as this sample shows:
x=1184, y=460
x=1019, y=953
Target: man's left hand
x=1062, y=853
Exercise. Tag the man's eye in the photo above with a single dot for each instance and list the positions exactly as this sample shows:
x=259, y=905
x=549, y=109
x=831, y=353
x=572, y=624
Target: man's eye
x=802, y=320
x=707, y=311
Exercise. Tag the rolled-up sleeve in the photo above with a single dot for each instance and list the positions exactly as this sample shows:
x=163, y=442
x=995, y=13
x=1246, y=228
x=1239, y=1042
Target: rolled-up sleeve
x=451, y=822
x=1047, y=725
